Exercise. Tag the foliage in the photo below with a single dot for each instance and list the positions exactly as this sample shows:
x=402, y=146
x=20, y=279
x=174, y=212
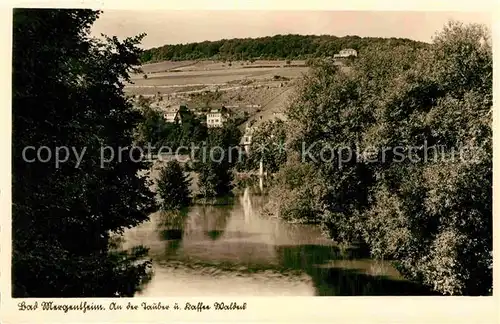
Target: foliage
x=68, y=92
x=154, y=129
x=268, y=144
x=275, y=47
x=296, y=194
x=173, y=186
x=384, y=137
x=216, y=160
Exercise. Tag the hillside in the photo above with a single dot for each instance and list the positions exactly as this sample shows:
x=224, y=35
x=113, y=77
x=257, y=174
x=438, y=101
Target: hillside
x=271, y=47
x=256, y=89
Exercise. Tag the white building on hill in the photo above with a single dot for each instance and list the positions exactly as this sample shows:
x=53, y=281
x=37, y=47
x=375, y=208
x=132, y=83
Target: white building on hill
x=216, y=118
x=346, y=53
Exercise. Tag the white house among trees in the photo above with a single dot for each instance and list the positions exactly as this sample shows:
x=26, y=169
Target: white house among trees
x=346, y=53
x=216, y=118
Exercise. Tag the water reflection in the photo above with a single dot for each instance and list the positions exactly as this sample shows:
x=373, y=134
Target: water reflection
x=232, y=250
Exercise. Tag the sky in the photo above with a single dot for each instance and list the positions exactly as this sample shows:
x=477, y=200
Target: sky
x=177, y=26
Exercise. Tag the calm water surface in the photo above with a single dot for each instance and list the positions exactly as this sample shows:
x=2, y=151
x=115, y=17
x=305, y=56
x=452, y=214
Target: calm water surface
x=233, y=250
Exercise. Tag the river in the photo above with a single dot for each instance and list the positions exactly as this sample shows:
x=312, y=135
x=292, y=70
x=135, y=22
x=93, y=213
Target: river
x=232, y=250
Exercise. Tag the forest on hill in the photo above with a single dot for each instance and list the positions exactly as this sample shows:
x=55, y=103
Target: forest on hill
x=271, y=47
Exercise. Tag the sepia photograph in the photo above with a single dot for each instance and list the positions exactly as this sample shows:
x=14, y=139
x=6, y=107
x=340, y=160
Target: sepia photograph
x=167, y=153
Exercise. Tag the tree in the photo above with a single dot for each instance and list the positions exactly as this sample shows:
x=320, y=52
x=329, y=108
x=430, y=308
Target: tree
x=68, y=92
x=269, y=145
x=153, y=128
x=216, y=160
x=192, y=130
x=296, y=193
x=211, y=182
x=173, y=187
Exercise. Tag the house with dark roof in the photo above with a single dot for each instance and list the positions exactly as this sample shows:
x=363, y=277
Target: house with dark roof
x=174, y=114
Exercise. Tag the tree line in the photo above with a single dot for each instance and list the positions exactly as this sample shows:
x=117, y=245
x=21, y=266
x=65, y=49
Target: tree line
x=271, y=47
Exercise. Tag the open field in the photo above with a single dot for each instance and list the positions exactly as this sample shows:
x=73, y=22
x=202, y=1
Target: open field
x=216, y=77
x=207, y=65
x=257, y=89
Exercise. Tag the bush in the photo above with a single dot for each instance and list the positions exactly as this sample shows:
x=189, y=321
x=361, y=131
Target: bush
x=295, y=194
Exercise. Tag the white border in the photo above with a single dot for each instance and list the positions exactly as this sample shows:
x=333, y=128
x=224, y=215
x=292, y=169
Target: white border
x=283, y=309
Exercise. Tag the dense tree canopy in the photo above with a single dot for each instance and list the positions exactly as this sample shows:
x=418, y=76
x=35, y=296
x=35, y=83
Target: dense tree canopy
x=268, y=146
x=68, y=92
x=216, y=159
x=173, y=187
x=274, y=47
x=396, y=153
x=155, y=130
